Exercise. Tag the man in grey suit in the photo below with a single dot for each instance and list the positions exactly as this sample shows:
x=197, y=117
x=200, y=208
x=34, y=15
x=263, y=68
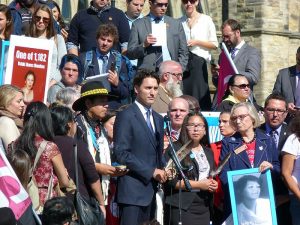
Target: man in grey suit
x=246, y=58
x=141, y=41
x=287, y=83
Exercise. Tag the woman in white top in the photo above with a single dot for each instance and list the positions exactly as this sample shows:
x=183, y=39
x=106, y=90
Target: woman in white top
x=42, y=26
x=291, y=168
x=201, y=37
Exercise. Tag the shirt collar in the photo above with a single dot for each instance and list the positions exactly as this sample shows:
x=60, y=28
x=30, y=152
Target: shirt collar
x=100, y=55
x=238, y=47
x=152, y=17
x=270, y=129
x=142, y=108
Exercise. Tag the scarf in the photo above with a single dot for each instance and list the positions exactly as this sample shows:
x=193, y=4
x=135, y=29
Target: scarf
x=18, y=121
x=98, y=11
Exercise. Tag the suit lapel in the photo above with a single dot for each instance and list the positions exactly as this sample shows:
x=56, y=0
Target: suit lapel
x=147, y=22
x=240, y=52
x=292, y=75
x=282, y=137
x=260, y=151
x=96, y=64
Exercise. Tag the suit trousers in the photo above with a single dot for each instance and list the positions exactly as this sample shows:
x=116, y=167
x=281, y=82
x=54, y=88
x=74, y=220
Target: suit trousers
x=137, y=215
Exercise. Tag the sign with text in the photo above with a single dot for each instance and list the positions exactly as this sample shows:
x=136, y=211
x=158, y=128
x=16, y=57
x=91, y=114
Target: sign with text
x=12, y=193
x=28, y=66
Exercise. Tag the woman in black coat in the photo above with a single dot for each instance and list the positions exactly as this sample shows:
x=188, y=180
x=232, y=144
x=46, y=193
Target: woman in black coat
x=196, y=205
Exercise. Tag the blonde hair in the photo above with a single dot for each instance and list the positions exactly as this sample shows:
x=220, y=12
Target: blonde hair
x=7, y=94
x=251, y=111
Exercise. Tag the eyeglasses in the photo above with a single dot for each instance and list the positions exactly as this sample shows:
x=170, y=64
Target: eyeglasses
x=242, y=86
x=178, y=75
x=240, y=117
x=44, y=19
x=193, y=126
x=278, y=111
x=191, y=1
x=158, y=4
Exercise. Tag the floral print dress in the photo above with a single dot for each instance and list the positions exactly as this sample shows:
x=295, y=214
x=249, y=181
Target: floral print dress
x=44, y=169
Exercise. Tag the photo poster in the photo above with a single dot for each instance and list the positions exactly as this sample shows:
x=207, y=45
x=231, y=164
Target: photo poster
x=3, y=60
x=249, y=187
x=29, y=55
x=212, y=119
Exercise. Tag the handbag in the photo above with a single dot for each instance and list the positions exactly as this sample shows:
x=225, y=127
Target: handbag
x=88, y=212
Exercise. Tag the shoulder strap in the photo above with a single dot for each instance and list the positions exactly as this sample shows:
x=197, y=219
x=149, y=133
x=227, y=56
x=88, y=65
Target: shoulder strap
x=76, y=166
x=39, y=153
x=87, y=62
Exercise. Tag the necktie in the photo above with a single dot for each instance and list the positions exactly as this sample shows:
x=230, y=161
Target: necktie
x=233, y=53
x=174, y=135
x=148, y=114
x=274, y=135
x=104, y=63
x=297, y=92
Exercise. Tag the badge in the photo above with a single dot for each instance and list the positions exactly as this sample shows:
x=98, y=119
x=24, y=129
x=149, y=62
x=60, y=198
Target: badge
x=240, y=149
x=261, y=148
x=110, y=18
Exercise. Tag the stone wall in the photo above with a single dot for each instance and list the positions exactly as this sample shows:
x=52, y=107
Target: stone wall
x=273, y=27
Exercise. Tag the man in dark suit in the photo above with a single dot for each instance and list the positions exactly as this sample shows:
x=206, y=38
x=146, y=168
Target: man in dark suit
x=103, y=59
x=141, y=40
x=287, y=82
x=138, y=144
x=275, y=112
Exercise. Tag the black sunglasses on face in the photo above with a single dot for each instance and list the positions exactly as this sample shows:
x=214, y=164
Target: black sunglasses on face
x=186, y=1
x=44, y=19
x=242, y=86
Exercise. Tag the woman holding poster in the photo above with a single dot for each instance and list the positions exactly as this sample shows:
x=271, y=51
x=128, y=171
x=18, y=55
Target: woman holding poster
x=41, y=26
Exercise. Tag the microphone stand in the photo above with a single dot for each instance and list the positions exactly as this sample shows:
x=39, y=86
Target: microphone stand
x=179, y=168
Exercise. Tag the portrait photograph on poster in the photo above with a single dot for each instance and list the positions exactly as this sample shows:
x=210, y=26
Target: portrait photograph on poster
x=252, y=197
x=28, y=66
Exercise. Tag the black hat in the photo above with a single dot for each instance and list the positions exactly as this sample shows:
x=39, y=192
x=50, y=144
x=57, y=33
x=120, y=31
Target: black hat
x=90, y=88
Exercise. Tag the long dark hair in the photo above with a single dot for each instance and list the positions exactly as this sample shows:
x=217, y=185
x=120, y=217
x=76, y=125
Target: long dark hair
x=184, y=138
x=9, y=25
x=50, y=28
x=294, y=126
x=37, y=121
x=61, y=116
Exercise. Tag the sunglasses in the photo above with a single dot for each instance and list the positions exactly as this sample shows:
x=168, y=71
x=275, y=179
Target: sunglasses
x=158, y=4
x=44, y=19
x=186, y=1
x=242, y=86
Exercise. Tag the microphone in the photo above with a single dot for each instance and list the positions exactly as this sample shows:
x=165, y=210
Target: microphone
x=167, y=121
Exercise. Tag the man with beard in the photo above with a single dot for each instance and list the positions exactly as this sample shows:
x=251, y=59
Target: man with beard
x=170, y=74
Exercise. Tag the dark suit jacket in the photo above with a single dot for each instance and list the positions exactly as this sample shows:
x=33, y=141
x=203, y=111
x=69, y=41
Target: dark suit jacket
x=282, y=136
x=188, y=197
x=248, y=63
x=137, y=148
x=286, y=83
x=264, y=151
x=279, y=185
x=176, y=42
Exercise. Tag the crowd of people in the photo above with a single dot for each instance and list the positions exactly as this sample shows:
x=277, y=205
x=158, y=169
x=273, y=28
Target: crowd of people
x=105, y=137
